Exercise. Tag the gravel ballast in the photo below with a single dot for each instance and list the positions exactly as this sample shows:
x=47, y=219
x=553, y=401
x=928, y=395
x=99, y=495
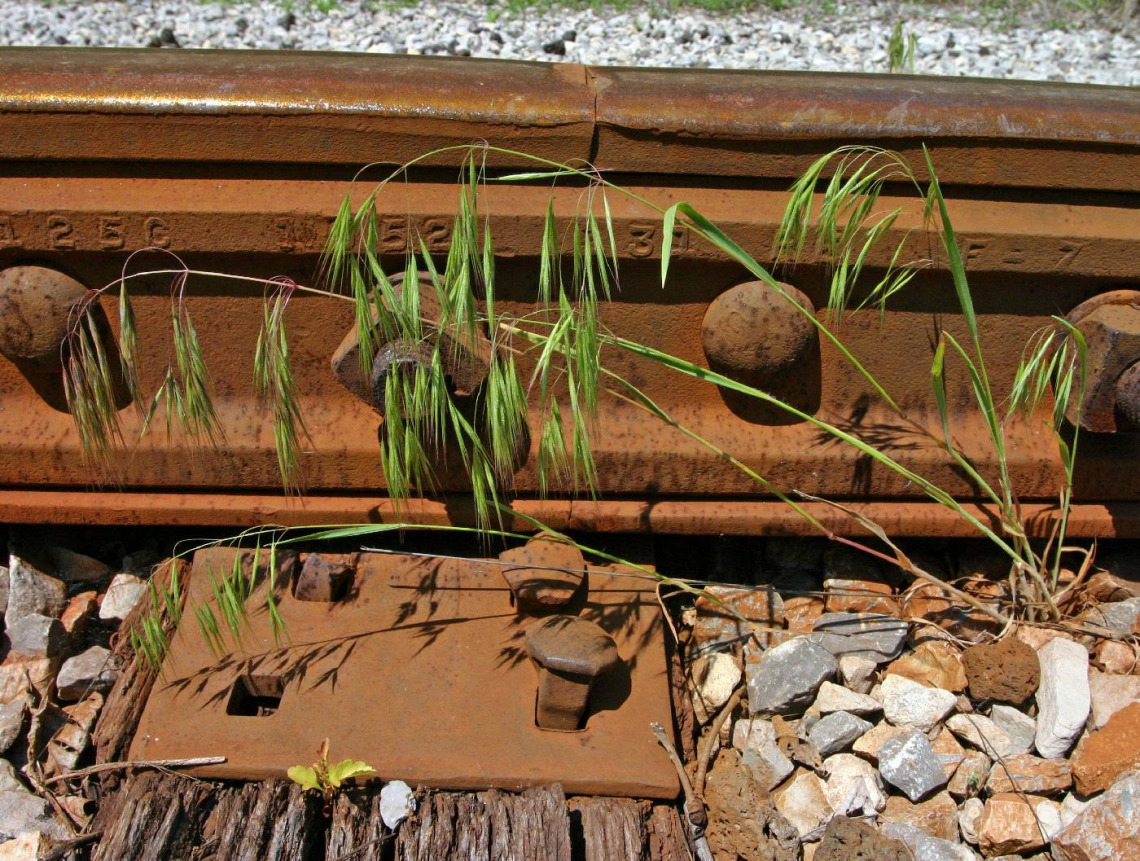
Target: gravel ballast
x=1048, y=42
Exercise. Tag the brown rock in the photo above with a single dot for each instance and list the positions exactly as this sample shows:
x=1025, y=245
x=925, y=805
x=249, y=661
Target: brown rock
x=1115, y=657
x=78, y=613
x=1108, y=828
x=1104, y=755
x=847, y=839
x=1008, y=671
x=925, y=600
x=934, y=663
x=859, y=596
x=970, y=776
x=1110, y=694
x=19, y=677
x=802, y=612
x=948, y=751
x=1028, y=773
x=1104, y=588
x=937, y=816
x=742, y=822
x=1035, y=637
x=1015, y=824
x=762, y=608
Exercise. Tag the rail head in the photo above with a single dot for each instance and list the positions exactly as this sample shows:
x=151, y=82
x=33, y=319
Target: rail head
x=353, y=109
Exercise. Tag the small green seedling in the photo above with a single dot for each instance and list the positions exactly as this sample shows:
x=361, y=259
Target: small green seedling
x=324, y=778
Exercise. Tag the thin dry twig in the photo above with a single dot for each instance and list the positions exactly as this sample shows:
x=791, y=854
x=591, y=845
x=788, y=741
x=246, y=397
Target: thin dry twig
x=695, y=813
x=160, y=764
x=709, y=741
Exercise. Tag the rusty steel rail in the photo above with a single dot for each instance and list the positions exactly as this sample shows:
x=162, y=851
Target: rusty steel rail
x=237, y=162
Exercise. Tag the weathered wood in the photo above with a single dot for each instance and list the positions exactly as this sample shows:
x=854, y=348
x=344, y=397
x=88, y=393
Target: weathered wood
x=684, y=718
x=124, y=705
x=162, y=816
x=488, y=826
x=666, y=834
x=357, y=832
x=609, y=829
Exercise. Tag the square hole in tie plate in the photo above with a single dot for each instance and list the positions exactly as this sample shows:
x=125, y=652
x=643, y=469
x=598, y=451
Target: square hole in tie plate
x=421, y=671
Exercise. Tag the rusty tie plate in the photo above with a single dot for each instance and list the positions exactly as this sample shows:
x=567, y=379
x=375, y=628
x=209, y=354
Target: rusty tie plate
x=421, y=671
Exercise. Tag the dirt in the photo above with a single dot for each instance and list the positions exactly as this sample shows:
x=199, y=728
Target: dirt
x=1007, y=671
x=743, y=824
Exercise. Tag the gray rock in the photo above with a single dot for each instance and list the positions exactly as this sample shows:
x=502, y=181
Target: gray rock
x=924, y=847
x=908, y=763
x=909, y=703
x=4, y=586
x=76, y=567
x=1063, y=698
x=37, y=636
x=123, y=594
x=768, y=765
x=21, y=811
x=1016, y=724
x=981, y=732
x=397, y=803
x=11, y=723
x=1111, y=693
x=1121, y=616
x=872, y=636
x=31, y=592
x=88, y=672
x=786, y=678
x=837, y=732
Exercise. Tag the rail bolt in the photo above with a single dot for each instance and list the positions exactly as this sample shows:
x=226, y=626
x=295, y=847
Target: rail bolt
x=754, y=332
x=570, y=654
x=1110, y=324
x=35, y=311
x=465, y=360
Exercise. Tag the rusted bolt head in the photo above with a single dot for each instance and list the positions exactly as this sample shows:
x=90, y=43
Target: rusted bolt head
x=547, y=575
x=35, y=310
x=397, y=358
x=1110, y=324
x=752, y=330
x=570, y=654
x=1128, y=398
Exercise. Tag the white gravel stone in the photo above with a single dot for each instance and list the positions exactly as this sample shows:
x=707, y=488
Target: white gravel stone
x=969, y=814
x=846, y=36
x=858, y=673
x=1063, y=699
x=768, y=764
x=753, y=733
x=123, y=594
x=908, y=703
x=713, y=678
x=1110, y=693
x=853, y=786
x=836, y=698
x=397, y=803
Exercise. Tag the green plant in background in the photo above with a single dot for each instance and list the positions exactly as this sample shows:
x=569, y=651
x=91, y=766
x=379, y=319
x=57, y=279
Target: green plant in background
x=325, y=777
x=835, y=206
x=900, y=50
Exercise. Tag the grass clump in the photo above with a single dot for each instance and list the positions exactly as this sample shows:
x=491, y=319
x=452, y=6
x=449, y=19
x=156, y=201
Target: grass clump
x=836, y=207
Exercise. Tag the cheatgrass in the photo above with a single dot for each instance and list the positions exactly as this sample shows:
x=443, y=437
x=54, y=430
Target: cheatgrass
x=435, y=302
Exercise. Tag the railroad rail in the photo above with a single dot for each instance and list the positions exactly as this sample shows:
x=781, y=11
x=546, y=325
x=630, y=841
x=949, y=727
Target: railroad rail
x=238, y=162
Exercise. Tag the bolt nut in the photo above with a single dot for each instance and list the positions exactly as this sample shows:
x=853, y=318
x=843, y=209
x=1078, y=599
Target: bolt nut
x=1110, y=324
x=35, y=315
x=570, y=654
x=753, y=331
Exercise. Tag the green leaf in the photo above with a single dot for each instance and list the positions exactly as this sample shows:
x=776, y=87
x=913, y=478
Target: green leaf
x=667, y=240
x=305, y=776
x=345, y=770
